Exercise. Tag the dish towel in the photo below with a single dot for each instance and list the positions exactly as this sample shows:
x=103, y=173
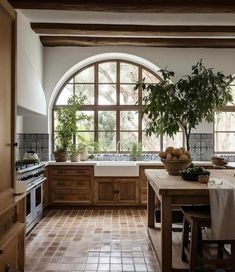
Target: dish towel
x=222, y=203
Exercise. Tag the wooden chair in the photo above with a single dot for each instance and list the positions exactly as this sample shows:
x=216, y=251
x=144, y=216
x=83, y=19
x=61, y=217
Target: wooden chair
x=196, y=218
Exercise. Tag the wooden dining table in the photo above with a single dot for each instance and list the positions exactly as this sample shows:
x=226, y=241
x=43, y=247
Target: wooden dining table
x=174, y=191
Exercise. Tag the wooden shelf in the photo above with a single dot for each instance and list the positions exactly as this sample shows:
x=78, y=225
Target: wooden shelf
x=155, y=238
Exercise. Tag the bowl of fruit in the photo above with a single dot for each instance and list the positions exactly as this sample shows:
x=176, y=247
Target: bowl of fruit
x=175, y=160
x=192, y=172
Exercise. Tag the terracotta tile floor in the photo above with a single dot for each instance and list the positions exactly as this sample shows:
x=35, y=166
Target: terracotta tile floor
x=91, y=240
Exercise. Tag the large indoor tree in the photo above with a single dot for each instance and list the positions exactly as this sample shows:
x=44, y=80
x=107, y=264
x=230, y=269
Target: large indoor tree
x=186, y=103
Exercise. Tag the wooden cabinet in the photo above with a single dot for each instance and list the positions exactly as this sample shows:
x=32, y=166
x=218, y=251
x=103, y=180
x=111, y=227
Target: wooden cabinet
x=116, y=191
x=71, y=184
x=12, y=208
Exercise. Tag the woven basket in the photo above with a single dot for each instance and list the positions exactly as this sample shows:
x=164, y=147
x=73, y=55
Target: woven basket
x=173, y=167
x=218, y=161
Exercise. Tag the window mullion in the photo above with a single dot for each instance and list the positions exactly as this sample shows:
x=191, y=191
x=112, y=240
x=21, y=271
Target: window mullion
x=96, y=90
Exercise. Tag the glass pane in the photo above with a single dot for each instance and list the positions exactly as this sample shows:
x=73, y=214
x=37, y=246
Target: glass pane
x=129, y=120
x=107, y=120
x=149, y=77
x=225, y=121
x=87, y=124
x=88, y=137
x=128, y=73
x=233, y=93
x=126, y=139
x=85, y=76
x=225, y=142
x=107, y=94
x=128, y=96
x=107, y=72
x=107, y=140
x=55, y=119
x=65, y=94
x=150, y=143
x=177, y=141
x=87, y=90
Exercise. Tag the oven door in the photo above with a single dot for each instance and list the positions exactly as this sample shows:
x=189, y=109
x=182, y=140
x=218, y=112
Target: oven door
x=38, y=191
x=29, y=207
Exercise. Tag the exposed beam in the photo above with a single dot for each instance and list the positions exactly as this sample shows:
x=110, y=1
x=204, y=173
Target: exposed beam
x=51, y=41
x=130, y=30
x=150, y=6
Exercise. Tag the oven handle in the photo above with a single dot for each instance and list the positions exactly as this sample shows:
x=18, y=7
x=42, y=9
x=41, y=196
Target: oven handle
x=39, y=182
x=36, y=184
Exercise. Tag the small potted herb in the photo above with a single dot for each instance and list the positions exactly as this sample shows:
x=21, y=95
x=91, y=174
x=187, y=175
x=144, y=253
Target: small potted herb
x=136, y=150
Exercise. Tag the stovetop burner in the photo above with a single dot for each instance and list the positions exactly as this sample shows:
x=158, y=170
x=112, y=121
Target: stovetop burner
x=25, y=164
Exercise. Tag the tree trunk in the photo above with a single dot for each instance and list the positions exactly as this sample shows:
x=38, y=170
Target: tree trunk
x=187, y=141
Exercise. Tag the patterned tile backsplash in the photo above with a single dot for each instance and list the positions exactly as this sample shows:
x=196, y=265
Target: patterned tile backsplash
x=201, y=147
x=36, y=142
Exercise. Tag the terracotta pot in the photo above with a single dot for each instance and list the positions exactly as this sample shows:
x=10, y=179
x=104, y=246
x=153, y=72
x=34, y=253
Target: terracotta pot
x=60, y=156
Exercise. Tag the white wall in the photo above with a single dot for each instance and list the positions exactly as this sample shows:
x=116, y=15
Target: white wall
x=30, y=93
x=59, y=60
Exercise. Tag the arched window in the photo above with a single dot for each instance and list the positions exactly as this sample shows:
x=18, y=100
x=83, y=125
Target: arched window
x=113, y=104
x=224, y=128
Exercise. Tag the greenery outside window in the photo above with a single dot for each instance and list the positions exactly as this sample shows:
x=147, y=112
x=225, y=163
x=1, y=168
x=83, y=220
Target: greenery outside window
x=224, y=128
x=113, y=105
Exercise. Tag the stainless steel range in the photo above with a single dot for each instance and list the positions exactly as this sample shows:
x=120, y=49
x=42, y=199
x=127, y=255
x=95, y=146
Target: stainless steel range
x=32, y=174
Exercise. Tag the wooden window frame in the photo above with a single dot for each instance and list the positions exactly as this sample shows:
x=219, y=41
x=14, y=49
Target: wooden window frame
x=118, y=107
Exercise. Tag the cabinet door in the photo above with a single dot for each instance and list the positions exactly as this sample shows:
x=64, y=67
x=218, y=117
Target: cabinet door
x=105, y=190
x=128, y=190
x=7, y=104
x=9, y=257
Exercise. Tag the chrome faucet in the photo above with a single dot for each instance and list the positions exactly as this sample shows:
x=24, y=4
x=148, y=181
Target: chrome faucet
x=118, y=147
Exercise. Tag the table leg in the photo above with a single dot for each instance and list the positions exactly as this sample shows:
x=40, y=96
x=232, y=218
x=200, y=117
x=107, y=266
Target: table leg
x=151, y=206
x=166, y=233
x=233, y=256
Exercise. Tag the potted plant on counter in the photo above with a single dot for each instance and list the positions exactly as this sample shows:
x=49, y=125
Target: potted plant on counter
x=136, y=151
x=185, y=104
x=66, y=129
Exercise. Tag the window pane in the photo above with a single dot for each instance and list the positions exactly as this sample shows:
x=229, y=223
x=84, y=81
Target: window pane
x=128, y=96
x=149, y=77
x=128, y=73
x=65, y=94
x=85, y=76
x=88, y=137
x=55, y=120
x=129, y=120
x=176, y=142
x=225, y=121
x=107, y=94
x=86, y=124
x=107, y=120
x=87, y=90
x=107, y=140
x=107, y=72
x=225, y=142
x=150, y=143
x=127, y=138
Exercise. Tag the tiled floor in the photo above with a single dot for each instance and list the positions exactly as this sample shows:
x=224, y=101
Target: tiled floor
x=91, y=240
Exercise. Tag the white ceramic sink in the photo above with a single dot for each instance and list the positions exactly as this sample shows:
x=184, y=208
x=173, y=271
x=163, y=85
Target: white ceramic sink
x=116, y=169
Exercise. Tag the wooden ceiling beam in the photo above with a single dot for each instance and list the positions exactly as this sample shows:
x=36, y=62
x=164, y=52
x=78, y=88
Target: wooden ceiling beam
x=130, y=30
x=52, y=41
x=132, y=6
